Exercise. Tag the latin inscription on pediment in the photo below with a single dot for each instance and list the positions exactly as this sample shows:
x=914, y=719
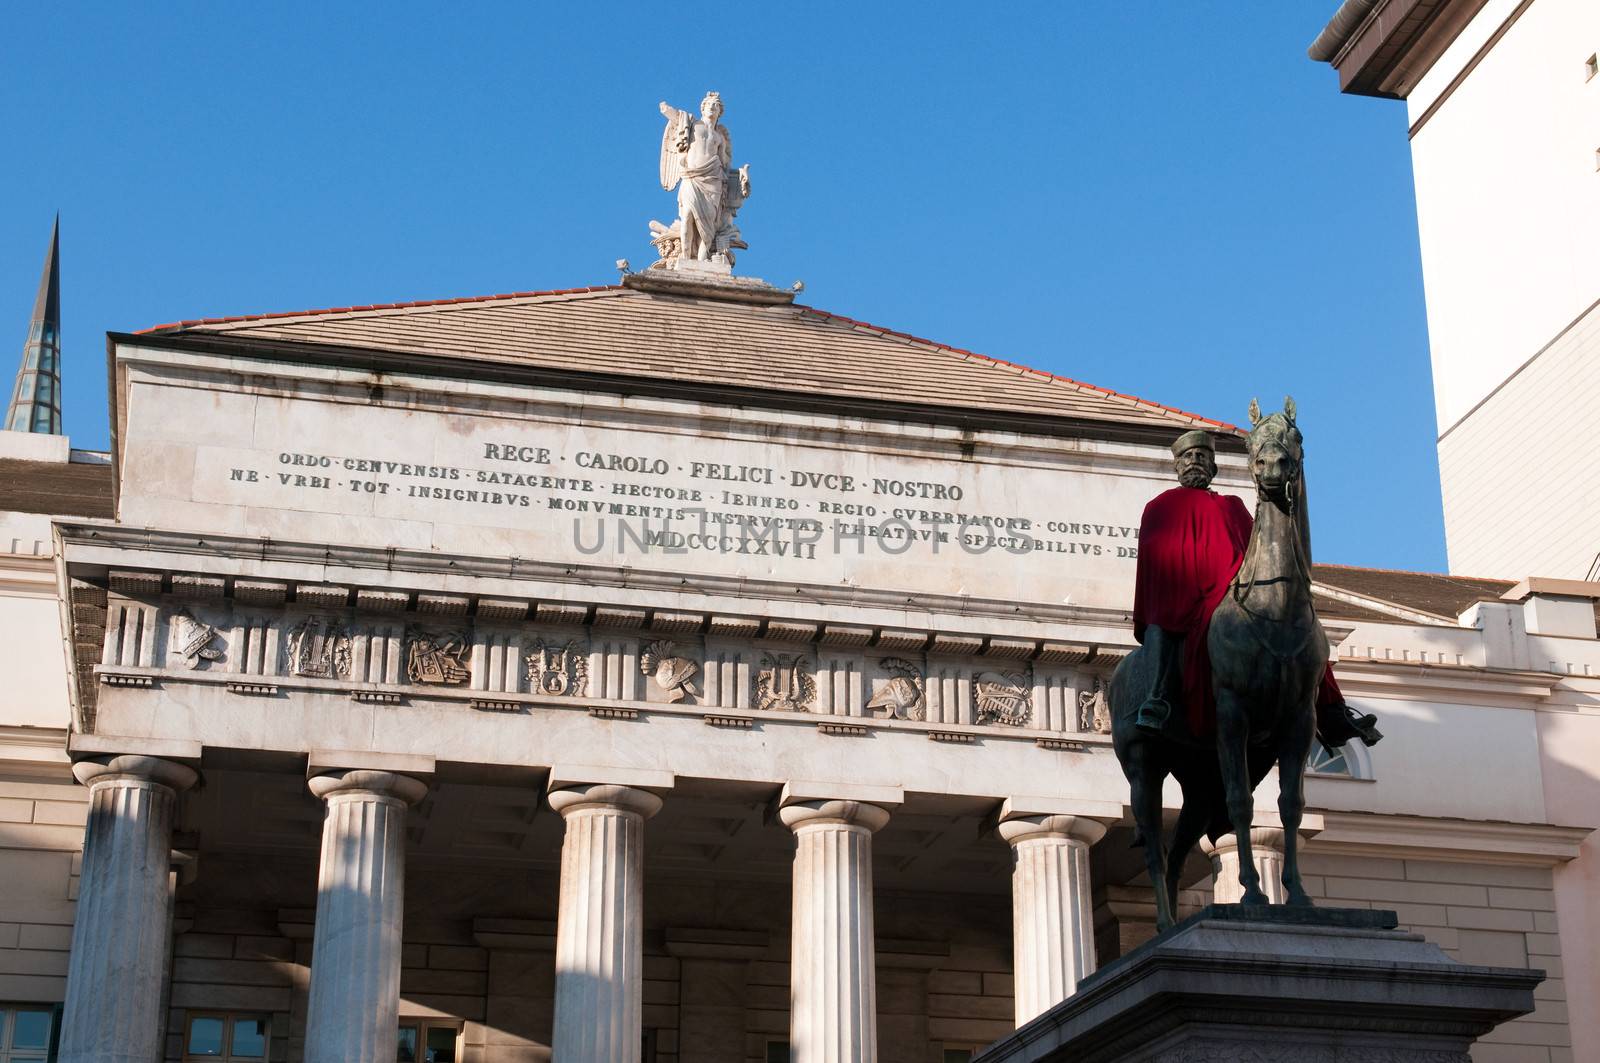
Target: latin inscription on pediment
x=1039, y=524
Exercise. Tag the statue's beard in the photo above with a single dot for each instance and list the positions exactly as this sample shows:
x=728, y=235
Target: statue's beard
x=1194, y=477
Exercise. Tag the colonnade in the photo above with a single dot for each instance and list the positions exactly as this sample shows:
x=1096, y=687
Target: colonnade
x=113, y=1004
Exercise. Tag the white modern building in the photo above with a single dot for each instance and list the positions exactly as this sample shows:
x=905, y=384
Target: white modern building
x=1503, y=98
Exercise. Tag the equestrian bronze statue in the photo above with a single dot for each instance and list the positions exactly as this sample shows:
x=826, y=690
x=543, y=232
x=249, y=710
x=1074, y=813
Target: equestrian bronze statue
x=1231, y=676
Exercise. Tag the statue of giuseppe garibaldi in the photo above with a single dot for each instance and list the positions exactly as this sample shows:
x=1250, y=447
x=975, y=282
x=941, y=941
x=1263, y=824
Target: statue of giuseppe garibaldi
x=1191, y=543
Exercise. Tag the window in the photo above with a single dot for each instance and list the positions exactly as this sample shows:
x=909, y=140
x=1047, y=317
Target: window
x=1349, y=761
x=223, y=1035
x=428, y=1042
x=25, y=1032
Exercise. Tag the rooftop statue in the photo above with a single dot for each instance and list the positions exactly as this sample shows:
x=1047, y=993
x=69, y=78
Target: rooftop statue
x=1231, y=676
x=697, y=160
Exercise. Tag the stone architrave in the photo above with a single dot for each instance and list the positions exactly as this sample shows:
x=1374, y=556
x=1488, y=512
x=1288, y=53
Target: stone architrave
x=123, y=928
x=1052, y=915
x=354, y=1005
x=599, y=1004
x=833, y=1016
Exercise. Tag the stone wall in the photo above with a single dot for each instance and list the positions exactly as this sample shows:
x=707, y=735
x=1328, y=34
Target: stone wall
x=41, y=851
x=235, y=961
x=1496, y=915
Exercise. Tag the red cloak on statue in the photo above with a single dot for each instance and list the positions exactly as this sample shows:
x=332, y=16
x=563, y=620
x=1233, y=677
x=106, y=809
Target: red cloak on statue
x=1191, y=543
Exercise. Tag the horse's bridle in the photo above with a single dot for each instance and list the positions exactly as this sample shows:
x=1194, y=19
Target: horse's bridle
x=1244, y=582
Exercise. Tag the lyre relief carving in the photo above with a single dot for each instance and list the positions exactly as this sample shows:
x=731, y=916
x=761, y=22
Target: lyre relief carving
x=785, y=683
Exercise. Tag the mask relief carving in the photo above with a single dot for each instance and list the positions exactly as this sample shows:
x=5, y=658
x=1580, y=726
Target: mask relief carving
x=673, y=674
x=901, y=697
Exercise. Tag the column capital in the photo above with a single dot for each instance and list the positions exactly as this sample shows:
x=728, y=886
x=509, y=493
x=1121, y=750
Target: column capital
x=389, y=784
x=1021, y=817
x=801, y=814
x=1070, y=828
x=1260, y=838
x=804, y=804
x=600, y=795
x=1266, y=833
x=134, y=766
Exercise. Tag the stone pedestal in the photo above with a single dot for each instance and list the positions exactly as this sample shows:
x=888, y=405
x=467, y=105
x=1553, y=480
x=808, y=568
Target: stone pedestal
x=123, y=927
x=833, y=1016
x=600, y=926
x=1272, y=984
x=1051, y=917
x=354, y=1004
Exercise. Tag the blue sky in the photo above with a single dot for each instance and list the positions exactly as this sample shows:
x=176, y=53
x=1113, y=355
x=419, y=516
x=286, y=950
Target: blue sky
x=1166, y=199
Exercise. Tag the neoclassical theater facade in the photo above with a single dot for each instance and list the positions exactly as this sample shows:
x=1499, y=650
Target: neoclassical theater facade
x=670, y=671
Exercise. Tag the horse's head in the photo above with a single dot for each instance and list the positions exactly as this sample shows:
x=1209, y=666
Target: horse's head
x=1276, y=454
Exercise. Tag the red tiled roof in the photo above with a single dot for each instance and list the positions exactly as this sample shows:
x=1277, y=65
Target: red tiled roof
x=615, y=329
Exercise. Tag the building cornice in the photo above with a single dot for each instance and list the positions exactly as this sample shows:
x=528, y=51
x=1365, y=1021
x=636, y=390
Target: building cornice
x=1459, y=684
x=1384, y=47
x=34, y=751
x=1477, y=841
x=28, y=576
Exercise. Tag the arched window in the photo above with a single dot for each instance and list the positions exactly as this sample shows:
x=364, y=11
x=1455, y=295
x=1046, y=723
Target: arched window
x=1350, y=761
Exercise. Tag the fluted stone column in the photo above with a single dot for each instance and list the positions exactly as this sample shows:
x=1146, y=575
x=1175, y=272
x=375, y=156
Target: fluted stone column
x=1052, y=917
x=600, y=924
x=124, y=921
x=1266, y=846
x=833, y=1000
x=354, y=1004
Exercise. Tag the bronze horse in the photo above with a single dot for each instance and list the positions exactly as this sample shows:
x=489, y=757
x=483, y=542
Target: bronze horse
x=1268, y=653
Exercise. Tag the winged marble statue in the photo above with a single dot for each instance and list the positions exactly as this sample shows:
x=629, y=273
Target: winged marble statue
x=697, y=160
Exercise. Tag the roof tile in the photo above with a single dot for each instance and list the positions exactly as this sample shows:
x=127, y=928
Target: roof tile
x=794, y=348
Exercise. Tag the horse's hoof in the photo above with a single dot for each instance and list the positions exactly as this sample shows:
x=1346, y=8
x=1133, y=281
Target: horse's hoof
x=1299, y=899
x=1254, y=896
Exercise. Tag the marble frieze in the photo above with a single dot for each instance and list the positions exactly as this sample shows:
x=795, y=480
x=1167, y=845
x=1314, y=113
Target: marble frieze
x=505, y=656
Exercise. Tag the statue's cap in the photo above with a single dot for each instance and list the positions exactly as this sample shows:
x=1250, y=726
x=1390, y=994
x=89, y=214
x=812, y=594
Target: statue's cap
x=1197, y=438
